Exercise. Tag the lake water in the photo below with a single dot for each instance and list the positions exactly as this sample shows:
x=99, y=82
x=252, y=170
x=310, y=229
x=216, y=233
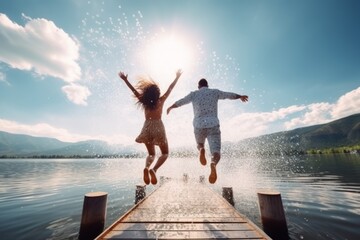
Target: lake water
x=42, y=198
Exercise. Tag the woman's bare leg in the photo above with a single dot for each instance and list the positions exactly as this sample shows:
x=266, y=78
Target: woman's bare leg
x=164, y=155
x=151, y=155
x=149, y=160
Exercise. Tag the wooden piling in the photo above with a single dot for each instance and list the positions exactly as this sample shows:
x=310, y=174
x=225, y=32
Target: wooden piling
x=140, y=193
x=93, y=215
x=272, y=214
x=162, y=180
x=202, y=179
x=185, y=177
x=227, y=193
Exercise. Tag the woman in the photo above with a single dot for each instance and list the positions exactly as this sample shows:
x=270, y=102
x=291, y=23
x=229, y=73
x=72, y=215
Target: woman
x=153, y=132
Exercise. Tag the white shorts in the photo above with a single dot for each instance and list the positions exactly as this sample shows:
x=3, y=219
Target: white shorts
x=213, y=136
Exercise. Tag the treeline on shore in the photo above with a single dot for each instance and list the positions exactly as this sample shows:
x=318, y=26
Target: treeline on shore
x=346, y=149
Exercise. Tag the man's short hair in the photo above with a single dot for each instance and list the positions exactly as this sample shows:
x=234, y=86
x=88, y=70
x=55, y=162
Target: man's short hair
x=203, y=83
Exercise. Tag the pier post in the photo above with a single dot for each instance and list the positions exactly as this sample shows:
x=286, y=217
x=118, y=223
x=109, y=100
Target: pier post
x=227, y=193
x=185, y=177
x=272, y=214
x=93, y=215
x=140, y=193
x=162, y=180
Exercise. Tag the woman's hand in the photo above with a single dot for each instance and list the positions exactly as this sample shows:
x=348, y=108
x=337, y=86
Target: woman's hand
x=123, y=76
x=178, y=73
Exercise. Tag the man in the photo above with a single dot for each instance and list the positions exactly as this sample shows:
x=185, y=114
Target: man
x=206, y=123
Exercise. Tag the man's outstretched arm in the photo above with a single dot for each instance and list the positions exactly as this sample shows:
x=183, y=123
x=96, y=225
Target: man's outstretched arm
x=171, y=107
x=231, y=95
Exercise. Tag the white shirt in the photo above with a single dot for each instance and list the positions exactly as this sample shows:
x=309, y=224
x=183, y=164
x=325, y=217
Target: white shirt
x=205, y=105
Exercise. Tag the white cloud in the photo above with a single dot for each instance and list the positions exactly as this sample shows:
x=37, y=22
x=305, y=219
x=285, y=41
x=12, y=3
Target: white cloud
x=3, y=78
x=40, y=130
x=347, y=104
x=76, y=93
x=46, y=130
x=318, y=113
x=42, y=47
x=39, y=45
x=247, y=125
x=315, y=113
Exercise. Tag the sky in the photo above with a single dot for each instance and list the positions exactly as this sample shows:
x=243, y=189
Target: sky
x=298, y=61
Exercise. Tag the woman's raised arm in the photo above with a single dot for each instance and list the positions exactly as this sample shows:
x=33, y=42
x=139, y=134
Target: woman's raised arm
x=124, y=77
x=172, y=85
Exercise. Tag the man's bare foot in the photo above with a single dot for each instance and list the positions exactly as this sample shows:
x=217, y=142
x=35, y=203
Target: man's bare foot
x=213, y=175
x=202, y=156
x=146, y=176
x=153, y=176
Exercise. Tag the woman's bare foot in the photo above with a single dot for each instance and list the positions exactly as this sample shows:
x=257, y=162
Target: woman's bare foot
x=202, y=156
x=146, y=176
x=153, y=176
x=213, y=175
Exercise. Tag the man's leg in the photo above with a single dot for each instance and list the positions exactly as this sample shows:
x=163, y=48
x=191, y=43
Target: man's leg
x=214, y=160
x=214, y=139
x=202, y=156
x=200, y=136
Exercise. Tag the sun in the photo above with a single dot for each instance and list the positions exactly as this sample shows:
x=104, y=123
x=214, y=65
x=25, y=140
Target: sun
x=165, y=54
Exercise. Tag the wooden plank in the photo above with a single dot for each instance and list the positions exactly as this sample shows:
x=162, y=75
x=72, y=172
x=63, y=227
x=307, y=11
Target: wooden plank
x=150, y=216
x=162, y=226
x=219, y=234
x=178, y=210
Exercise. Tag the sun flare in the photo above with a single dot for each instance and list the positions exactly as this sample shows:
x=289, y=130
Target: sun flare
x=166, y=54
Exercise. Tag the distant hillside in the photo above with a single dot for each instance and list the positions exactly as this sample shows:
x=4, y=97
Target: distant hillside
x=341, y=132
x=19, y=145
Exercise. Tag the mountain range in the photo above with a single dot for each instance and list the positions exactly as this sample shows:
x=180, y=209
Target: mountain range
x=19, y=145
x=341, y=132
x=338, y=133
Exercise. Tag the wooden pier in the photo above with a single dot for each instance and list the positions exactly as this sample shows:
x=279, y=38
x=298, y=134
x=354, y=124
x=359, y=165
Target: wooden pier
x=183, y=210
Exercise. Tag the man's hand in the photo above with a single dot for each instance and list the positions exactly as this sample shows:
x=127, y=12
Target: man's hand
x=244, y=98
x=171, y=107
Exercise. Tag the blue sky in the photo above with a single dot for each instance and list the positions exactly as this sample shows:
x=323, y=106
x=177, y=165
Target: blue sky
x=298, y=61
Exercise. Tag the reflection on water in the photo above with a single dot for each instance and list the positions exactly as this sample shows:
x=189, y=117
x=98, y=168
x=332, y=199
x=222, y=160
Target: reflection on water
x=42, y=198
x=320, y=193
